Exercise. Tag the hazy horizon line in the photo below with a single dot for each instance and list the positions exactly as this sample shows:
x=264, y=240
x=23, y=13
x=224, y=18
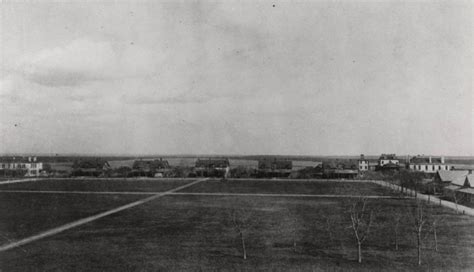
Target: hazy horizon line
x=219, y=155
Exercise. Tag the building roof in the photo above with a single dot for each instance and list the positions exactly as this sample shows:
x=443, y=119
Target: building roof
x=467, y=191
x=212, y=163
x=388, y=157
x=391, y=165
x=469, y=180
x=463, y=166
x=123, y=163
x=305, y=164
x=450, y=176
x=452, y=187
x=18, y=159
x=425, y=160
x=459, y=181
x=150, y=164
x=244, y=163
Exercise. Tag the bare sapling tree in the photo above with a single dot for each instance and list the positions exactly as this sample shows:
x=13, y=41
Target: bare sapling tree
x=361, y=221
x=435, y=223
x=397, y=218
x=457, y=199
x=419, y=220
x=329, y=227
x=295, y=233
x=241, y=221
x=289, y=228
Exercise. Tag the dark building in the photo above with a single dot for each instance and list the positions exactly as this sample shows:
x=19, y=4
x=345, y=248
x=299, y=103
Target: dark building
x=274, y=167
x=338, y=171
x=215, y=167
x=93, y=167
x=388, y=167
x=150, y=168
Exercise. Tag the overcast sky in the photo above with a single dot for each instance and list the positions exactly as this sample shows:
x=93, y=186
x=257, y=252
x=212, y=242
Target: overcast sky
x=308, y=78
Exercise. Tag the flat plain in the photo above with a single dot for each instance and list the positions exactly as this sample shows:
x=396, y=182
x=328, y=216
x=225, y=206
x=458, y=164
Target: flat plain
x=196, y=232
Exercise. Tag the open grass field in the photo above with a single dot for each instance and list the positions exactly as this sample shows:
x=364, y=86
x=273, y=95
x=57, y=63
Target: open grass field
x=23, y=214
x=196, y=233
x=289, y=187
x=98, y=185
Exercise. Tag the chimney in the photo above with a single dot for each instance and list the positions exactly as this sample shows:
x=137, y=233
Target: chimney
x=442, y=159
x=430, y=159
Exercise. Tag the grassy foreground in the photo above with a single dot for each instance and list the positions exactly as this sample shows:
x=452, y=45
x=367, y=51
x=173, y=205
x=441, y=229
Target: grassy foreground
x=25, y=214
x=195, y=233
x=99, y=185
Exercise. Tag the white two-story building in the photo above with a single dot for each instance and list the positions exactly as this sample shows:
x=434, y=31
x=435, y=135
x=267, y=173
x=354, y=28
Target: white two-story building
x=29, y=164
x=428, y=164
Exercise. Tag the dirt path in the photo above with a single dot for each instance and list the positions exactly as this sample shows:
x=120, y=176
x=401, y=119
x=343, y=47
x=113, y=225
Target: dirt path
x=92, y=218
x=448, y=204
x=17, y=181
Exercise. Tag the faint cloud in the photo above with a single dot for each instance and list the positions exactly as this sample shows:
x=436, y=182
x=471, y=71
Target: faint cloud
x=183, y=98
x=83, y=61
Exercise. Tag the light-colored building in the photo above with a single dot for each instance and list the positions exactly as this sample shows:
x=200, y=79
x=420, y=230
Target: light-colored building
x=365, y=164
x=428, y=164
x=30, y=164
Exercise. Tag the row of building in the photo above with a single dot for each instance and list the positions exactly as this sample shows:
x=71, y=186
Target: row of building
x=426, y=164
x=457, y=185
x=264, y=167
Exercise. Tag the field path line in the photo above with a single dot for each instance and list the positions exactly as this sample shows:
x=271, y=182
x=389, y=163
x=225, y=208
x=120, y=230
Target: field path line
x=92, y=218
x=17, y=181
x=80, y=192
x=193, y=193
x=284, y=195
x=435, y=200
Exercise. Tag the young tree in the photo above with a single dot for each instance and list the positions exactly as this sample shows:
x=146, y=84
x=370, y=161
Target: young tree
x=241, y=222
x=397, y=217
x=435, y=222
x=419, y=220
x=361, y=221
x=457, y=199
